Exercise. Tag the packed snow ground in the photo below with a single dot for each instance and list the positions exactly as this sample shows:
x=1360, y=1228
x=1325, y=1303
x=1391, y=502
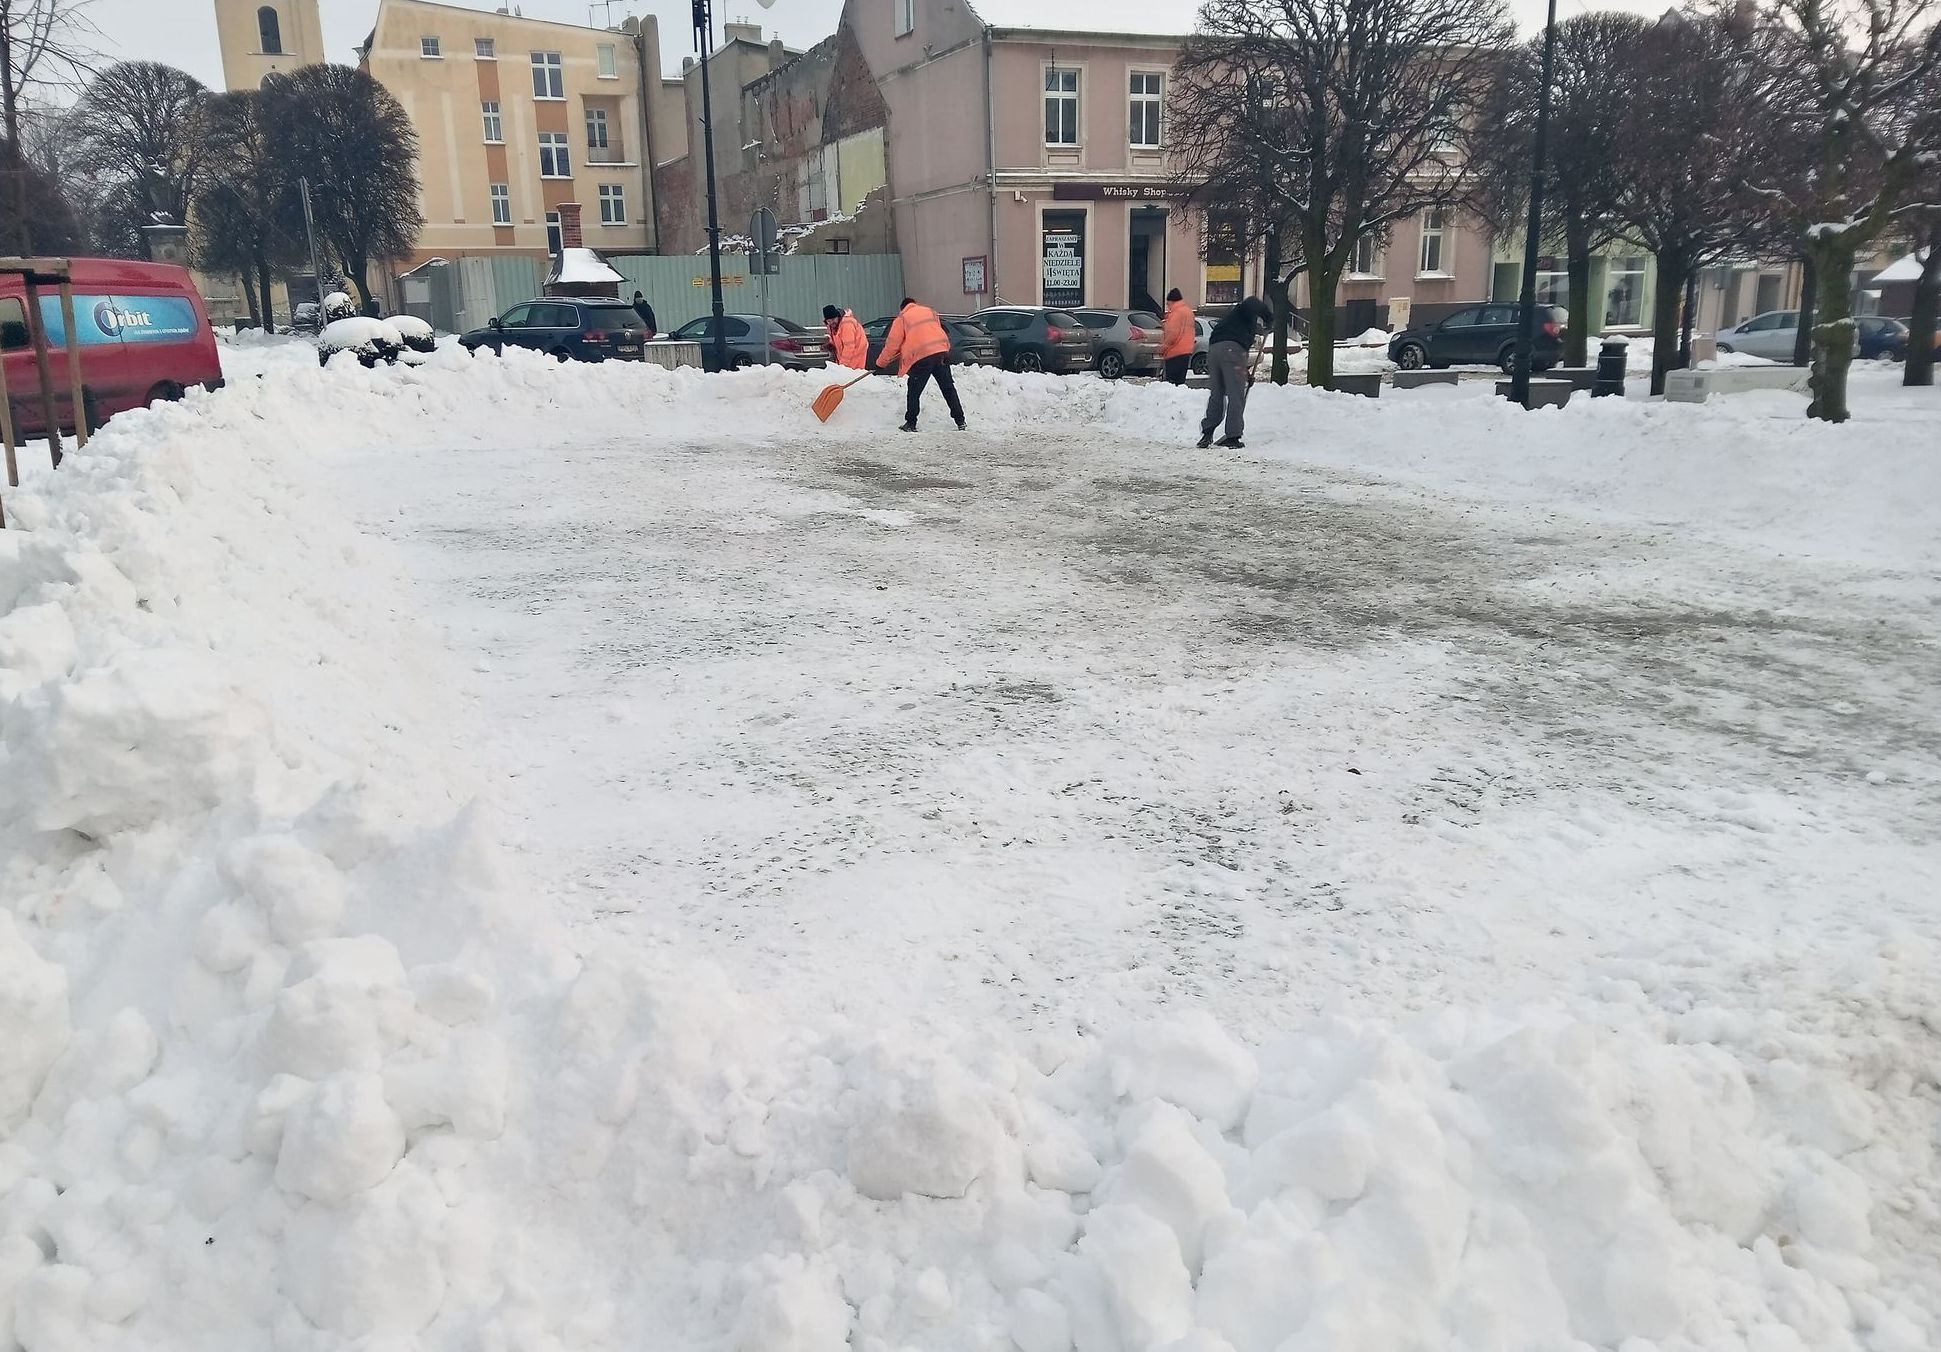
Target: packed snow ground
x=1443, y=877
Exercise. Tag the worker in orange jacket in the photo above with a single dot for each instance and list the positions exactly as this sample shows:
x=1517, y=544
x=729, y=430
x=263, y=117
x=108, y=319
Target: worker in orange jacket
x=847, y=337
x=920, y=342
x=1177, y=339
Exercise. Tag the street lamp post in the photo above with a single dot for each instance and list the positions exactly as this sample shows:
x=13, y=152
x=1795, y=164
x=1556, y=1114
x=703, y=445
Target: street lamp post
x=1526, y=325
x=704, y=48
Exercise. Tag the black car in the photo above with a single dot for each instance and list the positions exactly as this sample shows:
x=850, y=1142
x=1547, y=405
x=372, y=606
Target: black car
x=971, y=344
x=1037, y=338
x=1480, y=335
x=570, y=328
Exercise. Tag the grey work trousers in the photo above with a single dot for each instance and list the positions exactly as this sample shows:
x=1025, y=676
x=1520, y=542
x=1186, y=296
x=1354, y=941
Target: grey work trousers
x=1226, y=369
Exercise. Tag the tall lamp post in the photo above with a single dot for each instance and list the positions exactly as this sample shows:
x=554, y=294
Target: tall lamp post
x=1526, y=322
x=704, y=48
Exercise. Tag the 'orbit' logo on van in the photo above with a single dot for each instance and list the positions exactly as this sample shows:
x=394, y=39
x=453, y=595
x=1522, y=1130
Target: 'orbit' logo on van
x=112, y=321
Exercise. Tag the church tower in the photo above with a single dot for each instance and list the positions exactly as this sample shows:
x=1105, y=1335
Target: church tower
x=263, y=36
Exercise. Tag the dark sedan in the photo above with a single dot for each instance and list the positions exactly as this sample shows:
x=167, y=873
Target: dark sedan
x=571, y=329
x=1880, y=336
x=971, y=344
x=1035, y=338
x=1480, y=335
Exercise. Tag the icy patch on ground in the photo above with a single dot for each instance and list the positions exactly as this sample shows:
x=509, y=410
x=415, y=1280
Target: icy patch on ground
x=287, y=1062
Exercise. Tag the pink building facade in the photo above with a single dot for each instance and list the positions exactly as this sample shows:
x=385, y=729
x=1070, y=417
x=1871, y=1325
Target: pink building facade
x=1028, y=166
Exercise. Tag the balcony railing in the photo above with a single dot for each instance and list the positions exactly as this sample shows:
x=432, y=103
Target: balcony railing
x=607, y=154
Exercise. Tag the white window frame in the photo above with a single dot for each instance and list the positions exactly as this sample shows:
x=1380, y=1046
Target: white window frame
x=1156, y=101
x=906, y=17
x=548, y=74
x=598, y=117
x=608, y=57
x=485, y=49
x=492, y=120
x=501, y=197
x=1439, y=233
x=555, y=155
x=430, y=48
x=1612, y=274
x=613, y=204
x=1073, y=96
x=1369, y=251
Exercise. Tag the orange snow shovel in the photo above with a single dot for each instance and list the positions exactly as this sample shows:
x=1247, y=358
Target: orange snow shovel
x=830, y=399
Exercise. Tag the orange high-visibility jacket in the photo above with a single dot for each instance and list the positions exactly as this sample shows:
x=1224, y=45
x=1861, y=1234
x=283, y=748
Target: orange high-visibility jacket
x=1177, y=338
x=916, y=334
x=851, y=343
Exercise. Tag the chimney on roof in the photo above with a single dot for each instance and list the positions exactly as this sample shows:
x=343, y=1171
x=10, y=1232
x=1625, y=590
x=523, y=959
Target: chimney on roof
x=778, y=55
x=741, y=29
x=569, y=226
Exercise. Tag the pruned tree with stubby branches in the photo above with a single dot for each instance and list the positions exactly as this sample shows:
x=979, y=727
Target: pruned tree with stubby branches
x=347, y=134
x=1693, y=135
x=1850, y=83
x=242, y=216
x=134, y=136
x=43, y=50
x=1590, y=85
x=1331, y=119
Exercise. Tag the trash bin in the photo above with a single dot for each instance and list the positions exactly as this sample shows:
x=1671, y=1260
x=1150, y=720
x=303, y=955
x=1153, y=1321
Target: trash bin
x=1612, y=356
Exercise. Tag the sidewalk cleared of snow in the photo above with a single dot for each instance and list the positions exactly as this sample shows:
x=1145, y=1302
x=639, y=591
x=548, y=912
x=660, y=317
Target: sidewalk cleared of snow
x=290, y=1059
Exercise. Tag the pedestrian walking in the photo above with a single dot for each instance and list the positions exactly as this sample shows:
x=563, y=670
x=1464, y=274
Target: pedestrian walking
x=846, y=336
x=1176, y=338
x=1227, y=369
x=919, y=341
x=646, y=313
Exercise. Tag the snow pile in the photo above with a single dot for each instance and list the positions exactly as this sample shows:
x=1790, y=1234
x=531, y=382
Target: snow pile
x=582, y=267
x=290, y=1058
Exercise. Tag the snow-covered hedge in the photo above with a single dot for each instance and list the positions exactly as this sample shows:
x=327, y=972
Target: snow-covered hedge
x=372, y=340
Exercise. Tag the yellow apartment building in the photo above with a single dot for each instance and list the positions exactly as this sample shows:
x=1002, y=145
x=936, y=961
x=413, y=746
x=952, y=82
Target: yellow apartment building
x=527, y=128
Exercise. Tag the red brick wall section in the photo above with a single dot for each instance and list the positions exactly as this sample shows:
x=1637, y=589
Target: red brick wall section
x=569, y=225
x=854, y=102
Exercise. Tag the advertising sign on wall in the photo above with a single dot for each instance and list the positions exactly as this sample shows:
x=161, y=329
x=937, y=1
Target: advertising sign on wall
x=1062, y=261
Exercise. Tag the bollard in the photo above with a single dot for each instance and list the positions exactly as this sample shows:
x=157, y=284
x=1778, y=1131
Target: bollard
x=1612, y=355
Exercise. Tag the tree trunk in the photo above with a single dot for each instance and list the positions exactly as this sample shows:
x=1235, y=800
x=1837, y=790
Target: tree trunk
x=1322, y=284
x=1803, y=329
x=1832, y=255
x=249, y=297
x=1665, y=303
x=16, y=164
x=356, y=268
x=1577, y=250
x=1927, y=313
x=1277, y=298
x=263, y=285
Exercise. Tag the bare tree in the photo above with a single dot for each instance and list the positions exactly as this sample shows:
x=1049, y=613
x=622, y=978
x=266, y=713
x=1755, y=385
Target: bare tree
x=43, y=46
x=1337, y=117
x=1922, y=323
x=1693, y=136
x=342, y=130
x=242, y=210
x=1845, y=80
x=135, y=132
x=1595, y=59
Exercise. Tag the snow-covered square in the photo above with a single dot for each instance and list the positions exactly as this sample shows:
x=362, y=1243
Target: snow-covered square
x=500, y=855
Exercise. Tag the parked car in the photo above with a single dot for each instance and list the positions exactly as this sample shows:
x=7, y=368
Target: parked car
x=144, y=333
x=1123, y=341
x=1908, y=324
x=1036, y=338
x=1770, y=335
x=571, y=328
x=971, y=344
x=307, y=317
x=789, y=344
x=1881, y=337
x=1480, y=335
x=1203, y=338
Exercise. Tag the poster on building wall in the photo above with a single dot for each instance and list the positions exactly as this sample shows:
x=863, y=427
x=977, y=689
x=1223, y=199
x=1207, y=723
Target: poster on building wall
x=976, y=275
x=1063, y=259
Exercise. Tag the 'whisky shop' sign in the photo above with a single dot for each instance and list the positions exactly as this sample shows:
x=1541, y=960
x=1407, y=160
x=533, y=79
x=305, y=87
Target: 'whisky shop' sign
x=1131, y=192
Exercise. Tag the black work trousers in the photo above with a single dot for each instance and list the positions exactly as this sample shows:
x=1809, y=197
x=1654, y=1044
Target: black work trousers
x=922, y=373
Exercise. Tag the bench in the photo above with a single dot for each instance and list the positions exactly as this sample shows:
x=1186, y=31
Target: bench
x=1695, y=387
x=1543, y=393
x=672, y=353
x=1415, y=380
x=1369, y=386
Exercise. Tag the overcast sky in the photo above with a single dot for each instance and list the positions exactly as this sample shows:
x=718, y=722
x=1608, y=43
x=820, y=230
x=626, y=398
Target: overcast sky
x=183, y=32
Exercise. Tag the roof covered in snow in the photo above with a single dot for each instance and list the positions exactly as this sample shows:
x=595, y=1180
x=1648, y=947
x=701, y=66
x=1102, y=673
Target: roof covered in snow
x=1160, y=18
x=1904, y=269
x=582, y=267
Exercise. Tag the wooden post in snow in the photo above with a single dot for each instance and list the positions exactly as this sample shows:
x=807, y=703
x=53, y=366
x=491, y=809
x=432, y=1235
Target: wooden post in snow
x=38, y=328
x=74, y=363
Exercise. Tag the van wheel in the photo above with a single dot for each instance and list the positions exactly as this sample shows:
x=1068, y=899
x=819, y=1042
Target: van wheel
x=1112, y=365
x=165, y=393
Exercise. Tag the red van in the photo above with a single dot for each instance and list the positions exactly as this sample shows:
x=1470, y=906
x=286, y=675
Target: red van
x=144, y=334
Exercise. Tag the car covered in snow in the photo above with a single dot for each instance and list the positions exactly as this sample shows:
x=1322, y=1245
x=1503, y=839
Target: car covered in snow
x=371, y=340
